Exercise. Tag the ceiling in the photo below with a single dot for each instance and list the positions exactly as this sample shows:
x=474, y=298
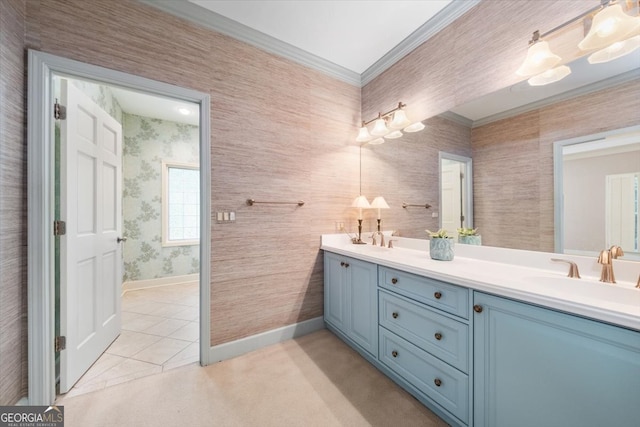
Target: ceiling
x=352, y=34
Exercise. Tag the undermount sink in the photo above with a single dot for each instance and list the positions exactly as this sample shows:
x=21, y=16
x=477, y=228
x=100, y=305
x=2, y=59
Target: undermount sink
x=588, y=288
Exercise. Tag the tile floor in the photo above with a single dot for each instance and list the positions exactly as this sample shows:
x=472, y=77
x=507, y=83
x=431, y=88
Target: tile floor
x=159, y=332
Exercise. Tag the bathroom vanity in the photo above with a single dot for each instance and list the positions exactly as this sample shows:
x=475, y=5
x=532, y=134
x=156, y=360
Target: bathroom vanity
x=488, y=343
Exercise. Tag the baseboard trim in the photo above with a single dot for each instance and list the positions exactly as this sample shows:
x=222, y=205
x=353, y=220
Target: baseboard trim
x=161, y=281
x=245, y=345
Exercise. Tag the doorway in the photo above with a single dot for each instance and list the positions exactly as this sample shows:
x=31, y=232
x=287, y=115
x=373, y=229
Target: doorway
x=456, y=192
x=145, y=314
x=41, y=283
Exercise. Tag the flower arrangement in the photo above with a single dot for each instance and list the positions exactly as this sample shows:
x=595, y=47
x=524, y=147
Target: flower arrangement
x=467, y=231
x=469, y=236
x=440, y=245
x=440, y=234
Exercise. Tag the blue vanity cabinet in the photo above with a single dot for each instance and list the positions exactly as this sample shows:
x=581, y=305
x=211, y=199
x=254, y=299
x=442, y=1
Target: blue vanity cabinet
x=351, y=300
x=538, y=367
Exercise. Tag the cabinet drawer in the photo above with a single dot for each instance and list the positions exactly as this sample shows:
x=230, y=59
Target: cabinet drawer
x=441, y=336
x=450, y=298
x=443, y=384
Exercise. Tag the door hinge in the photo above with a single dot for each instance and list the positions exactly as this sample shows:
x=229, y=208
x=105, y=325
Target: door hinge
x=60, y=343
x=461, y=218
x=59, y=111
x=59, y=228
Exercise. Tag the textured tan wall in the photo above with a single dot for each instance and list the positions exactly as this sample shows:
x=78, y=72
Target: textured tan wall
x=513, y=163
x=280, y=131
x=13, y=206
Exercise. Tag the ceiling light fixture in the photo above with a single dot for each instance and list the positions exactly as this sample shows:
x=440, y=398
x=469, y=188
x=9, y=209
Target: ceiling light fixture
x=387, y=125
x=184, y=111
x=613, y=32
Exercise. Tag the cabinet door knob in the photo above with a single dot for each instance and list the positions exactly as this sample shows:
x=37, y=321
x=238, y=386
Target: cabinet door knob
x=437, y=382
x=341, y=263
x=438, y=336
x=346, y=265
x=438, y=295
x=477, y=308
x=394, y=280
x=394, y=353
x=395, y=314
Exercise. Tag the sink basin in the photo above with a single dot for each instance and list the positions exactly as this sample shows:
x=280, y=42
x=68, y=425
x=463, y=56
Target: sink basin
x=587, y=288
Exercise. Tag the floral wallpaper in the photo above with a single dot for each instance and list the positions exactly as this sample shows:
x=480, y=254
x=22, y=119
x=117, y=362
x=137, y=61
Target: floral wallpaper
x=147, y=142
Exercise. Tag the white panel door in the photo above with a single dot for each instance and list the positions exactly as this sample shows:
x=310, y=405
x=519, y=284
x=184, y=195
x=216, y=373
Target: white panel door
x=90, y=252
x=451, y=196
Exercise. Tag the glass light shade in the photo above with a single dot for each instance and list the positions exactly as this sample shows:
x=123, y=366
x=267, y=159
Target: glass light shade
x=416, y=127
x=393, y=134
x=361, y=202
x=379, y=128
x=539, y=59
x=377, y=141
x=615, y=51
x=399, y=121
x=610, y=25
x=363, y=135
x=379, y=203
x=550, y=76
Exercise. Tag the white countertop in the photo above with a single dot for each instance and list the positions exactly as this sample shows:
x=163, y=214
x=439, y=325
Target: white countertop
x=523, y=275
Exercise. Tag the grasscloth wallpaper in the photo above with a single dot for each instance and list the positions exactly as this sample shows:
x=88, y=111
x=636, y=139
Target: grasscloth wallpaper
x=280, y=131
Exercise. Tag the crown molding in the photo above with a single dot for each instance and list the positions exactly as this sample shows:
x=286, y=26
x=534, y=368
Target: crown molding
x=216, y=22
x=437, y=23
x=574, y=93
x=221, y=24
x=456, y=118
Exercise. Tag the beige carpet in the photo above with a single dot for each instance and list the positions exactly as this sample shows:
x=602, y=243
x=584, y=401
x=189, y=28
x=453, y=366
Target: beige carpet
x=315, y=380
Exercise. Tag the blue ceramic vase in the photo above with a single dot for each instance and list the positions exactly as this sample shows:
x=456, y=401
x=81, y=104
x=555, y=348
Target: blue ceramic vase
x=441, y=249
x=470, y=240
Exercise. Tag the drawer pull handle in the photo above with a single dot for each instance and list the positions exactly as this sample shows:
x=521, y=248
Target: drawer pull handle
x=438, y=336
x=395, y=314
x=477, y=308
x=437, y=382
x=394, y=280
x=438, y=295
x=394, y=353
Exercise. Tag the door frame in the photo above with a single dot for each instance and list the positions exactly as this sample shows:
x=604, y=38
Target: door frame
x=40, y=192
x=468, y=185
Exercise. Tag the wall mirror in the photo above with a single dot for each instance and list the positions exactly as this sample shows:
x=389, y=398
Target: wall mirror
x=456, y=192
x=596, y=190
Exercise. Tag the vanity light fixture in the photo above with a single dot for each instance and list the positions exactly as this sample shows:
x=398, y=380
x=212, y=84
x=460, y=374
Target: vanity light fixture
x=612, y=31
x=387, y=125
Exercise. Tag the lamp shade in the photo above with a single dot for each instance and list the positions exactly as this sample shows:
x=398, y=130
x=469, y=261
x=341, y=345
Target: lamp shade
x=550, y=76
x=399, y=121
x=379, y=203
x=615, y=51
x=610, y=25
x=361, y=202
x=539, y=59
x=393, y=134
x=415, y=127
x=363, y=135
x=376, y=141
x=379, y=128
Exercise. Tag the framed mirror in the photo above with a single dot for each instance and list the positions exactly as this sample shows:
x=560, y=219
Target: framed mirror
x=596, y=192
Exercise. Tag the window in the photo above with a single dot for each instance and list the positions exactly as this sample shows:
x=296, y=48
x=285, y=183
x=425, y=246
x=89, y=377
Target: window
x=180, y=204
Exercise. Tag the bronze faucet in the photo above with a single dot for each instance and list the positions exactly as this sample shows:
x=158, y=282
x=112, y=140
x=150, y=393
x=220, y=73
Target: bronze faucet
x=606, y=258
x=573, y=267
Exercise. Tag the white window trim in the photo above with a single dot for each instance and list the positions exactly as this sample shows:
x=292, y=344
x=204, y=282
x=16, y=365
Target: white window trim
x=166, y=164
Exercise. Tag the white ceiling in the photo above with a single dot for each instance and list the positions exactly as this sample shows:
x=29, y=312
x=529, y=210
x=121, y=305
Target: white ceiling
x=156, y=107
x=352, y=34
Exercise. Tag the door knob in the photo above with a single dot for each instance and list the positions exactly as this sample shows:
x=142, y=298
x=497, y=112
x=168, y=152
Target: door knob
x=121, y=239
